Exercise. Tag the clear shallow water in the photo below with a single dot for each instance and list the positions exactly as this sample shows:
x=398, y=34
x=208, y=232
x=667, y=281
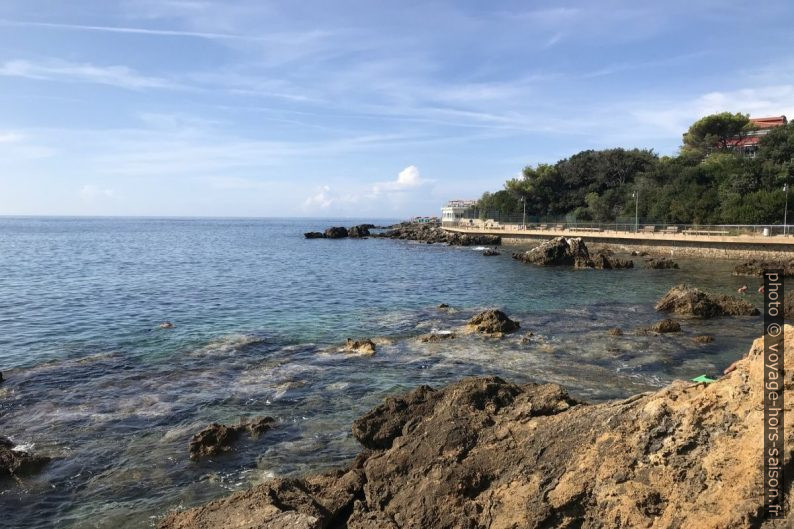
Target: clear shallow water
x=260, y=315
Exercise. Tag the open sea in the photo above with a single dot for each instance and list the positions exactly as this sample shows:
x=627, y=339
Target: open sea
x=260, y=315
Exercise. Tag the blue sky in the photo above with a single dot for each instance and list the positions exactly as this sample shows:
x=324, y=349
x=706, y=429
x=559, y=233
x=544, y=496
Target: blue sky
x=259, y=108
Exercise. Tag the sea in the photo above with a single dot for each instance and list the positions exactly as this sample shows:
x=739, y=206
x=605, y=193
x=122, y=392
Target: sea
x=260, y=316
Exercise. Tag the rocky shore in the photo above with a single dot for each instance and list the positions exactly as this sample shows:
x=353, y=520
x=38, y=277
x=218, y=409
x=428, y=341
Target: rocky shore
x=433, y=234
x=571, y=251
x=487, y=453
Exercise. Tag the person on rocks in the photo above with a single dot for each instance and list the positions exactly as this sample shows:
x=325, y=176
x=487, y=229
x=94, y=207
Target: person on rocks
x=742, y=289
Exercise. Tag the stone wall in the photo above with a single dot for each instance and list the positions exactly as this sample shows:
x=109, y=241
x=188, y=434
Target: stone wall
x=716, y=250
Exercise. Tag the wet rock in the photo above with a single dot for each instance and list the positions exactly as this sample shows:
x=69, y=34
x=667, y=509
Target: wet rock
x=443, y=306
x=703, y=339
x=1, y=377
x=788, y=306
x=363, y=347
x=490, y=252
x=605, y=261
x=18, y=463
x=362, y=230
x=493, y=322
x=432, y=234
x=689, y=301
x=661, y=263
x=335, y=232
x=486, y=453
x=166, y=325
x=557, y=252
x=615, y=331
x=218, y=438
x=756, y=267
x=527, y=338
x=665, y=326
x=436, y=337
x=314, y=235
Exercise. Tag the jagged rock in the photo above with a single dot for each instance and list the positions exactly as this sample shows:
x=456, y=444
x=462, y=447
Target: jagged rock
x=665, y=326
x=556, y=252
x=314, y=235
x=492, y=321
x=218, y=438
x=486, y=453
x=432, y=233
x=362, y=230
x=703, y=339
x=756, y=267
x=364, y=347
x=615, y=331
x=605, y=261
x=661, y=263
x=689, y=301
x=18, y=463
x=443, y=306
x=490, y=252
x=335, y=232
x=434, y=337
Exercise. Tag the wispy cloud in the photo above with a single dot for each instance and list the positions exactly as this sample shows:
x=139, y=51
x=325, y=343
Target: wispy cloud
x=58, y=70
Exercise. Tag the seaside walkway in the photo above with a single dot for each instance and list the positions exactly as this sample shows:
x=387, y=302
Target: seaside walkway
x=696, y=242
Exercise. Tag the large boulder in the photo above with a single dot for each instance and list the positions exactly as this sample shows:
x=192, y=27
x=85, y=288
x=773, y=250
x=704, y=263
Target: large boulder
x=689, y=301
x=314, y=235
x=756, y=267
x=493, y=322
x=362, y=230
x=556, y=252
x=15, y=463
x=335, y=232
x=487, y=453
x=365, y=347
x=217, y=438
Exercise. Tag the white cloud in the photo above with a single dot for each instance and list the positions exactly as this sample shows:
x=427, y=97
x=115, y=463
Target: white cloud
x=8, y=137
x=91, y=193
x=57, y=70
x=408, y=178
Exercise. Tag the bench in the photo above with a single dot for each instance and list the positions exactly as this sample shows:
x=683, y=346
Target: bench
x=586, y=229
x=706, y=232
x=671, y=229
x=559, y=227
x=649, y=229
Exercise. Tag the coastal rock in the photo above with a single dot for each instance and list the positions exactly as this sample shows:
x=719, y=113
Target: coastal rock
x=615, y=331
x=689, y=301
x=788, y=307
x=443, y=306
x=432, y=234
x=18, y=463
x=218, y=438
x=557, y=252
x=363, y=347
x=703, y=339
x=1, y=377
x=335, y=232
x=661, y=263
x=605, y=261
x=492, y=321
x=756, y=267
x=314, y=235
x=362, y=230
x=486, y=453
x=435, y=337
x=665, y=326
x=490, y=252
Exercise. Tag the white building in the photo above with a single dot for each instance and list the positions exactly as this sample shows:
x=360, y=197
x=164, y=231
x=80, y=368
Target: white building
x=456, y=210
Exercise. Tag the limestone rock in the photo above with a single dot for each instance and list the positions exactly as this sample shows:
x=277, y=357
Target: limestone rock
x=689, y=301
x=493, y=322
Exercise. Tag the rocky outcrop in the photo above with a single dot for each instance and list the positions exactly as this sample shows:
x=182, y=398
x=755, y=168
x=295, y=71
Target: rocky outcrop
x=433, y=234
x=492, y=322
x=360, y=231
x=689, y=301
x=15, y=463
x=665, y=326
x=661, y=263
x=364, y=347
x=435, y=337
x=564, y=251
x=756, y=267
x=486, y=453
x=314, y=235
x=615, y=331
x=218, y=438
x=703, y=339
x=335, y=232
x=488, y=252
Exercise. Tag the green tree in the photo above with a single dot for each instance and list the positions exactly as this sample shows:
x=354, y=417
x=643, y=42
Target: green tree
x=716, y=132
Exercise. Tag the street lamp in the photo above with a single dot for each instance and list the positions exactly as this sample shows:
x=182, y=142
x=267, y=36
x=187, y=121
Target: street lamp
x=524, y=218
x=785, y=211
x=636, y=196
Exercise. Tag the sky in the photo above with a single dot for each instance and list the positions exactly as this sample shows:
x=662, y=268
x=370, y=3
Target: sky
x=257, y=108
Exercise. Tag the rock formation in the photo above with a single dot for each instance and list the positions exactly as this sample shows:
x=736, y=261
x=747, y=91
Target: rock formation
x=218, y=438
x=435, y=337
x=703, y=339
x=661, y=263
x=335, y=232
x=363, y=347
x=432, y=234
x=689, y=301
x=756, y=267
x=571, y=251
x=492, y=322
x=314, y=235
x=665, y=326
x=15, y=463
x=615, y=331
x=486, y=453
x=362, y=230
x=488, y=252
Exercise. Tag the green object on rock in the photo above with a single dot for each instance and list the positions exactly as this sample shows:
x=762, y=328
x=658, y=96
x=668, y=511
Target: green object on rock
x=703, y=378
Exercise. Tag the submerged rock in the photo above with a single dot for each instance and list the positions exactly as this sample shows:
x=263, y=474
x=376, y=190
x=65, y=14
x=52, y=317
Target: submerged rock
x=363, y=347
x=487, y=453
x=665, y=326
x=435, y=337
x=314, y=235
x=703, y=339
x=15, y=463
x=218, y=438
x=443, y=306
x=662, y=263
x=490, y=252
x=335, y=232
x=689, y=301
x=493, y=322
x=615, y=331
x=756, y=267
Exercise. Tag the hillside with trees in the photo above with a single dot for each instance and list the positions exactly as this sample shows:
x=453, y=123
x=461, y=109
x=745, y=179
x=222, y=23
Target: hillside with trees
x=710, y=181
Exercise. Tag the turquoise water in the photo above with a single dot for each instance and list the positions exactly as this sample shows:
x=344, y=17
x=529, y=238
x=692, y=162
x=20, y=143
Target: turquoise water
x=260, y=314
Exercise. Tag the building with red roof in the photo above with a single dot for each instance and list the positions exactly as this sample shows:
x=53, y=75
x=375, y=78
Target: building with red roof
x=748, y=143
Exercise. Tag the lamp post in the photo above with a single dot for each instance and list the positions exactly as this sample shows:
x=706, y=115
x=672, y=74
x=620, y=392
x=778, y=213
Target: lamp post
x=636, y=196
x=524, y=217
x=785, y=211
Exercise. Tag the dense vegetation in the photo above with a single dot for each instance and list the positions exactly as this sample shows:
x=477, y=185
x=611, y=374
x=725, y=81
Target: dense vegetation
x=708, y=182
